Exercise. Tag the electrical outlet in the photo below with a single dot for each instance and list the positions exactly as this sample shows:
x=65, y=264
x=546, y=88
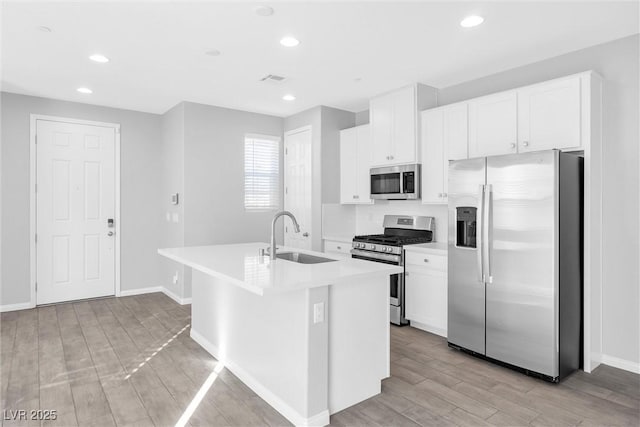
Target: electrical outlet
x=318, y=312
x=175, y=217
x=175, y=278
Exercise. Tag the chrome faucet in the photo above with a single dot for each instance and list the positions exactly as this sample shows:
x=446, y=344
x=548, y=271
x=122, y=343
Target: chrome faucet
x=296, y=228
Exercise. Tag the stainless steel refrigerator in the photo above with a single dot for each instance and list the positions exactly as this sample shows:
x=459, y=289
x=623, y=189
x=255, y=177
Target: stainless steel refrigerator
x=515, y=260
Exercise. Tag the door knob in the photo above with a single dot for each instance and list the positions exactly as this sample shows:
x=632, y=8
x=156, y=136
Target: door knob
x=110, y=233
x=305, y=234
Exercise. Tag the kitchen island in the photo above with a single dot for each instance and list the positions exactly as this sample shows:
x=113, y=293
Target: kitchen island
x=310, y=339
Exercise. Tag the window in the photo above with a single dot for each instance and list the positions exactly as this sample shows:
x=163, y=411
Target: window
x=261, y=172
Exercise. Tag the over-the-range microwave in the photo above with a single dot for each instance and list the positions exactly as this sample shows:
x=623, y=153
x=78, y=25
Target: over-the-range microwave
x=400, y=182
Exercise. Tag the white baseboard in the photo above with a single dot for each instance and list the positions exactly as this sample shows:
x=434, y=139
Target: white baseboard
x=140, y=291
x=321, y=419
x=429, y=328
x=15, y=307
x=616, y=362
x=176, y=298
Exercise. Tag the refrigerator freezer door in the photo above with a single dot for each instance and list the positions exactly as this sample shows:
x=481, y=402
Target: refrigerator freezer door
x=466, y=286
x=522, y=286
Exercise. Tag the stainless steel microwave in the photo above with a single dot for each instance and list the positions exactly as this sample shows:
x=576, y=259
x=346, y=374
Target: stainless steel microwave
x=400, y=182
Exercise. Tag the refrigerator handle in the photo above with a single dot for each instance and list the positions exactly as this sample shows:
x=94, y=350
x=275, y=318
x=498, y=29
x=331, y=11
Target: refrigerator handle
x=488, y=229
x=480, y=234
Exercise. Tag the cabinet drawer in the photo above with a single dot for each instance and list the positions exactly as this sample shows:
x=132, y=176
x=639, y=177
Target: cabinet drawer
x=335, y=246
x=419, y=259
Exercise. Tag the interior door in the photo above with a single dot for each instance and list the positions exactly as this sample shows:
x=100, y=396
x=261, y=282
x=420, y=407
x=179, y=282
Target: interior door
x=75, y=247
x=522, y=287
x=466, y=312
x=298, y=187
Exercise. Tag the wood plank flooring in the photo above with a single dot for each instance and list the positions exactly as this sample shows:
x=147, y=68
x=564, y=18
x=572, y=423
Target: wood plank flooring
x=130, y=362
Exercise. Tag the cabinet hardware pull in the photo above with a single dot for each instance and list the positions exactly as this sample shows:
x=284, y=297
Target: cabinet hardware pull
x=444, y=194
x=339, y=247
x=513, y=145
x=426, y=260
x=390, y=157
x=525, y=143
x=439, y=195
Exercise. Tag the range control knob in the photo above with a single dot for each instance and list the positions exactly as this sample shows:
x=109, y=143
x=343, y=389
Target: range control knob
x=389, y=249
x=372, y=247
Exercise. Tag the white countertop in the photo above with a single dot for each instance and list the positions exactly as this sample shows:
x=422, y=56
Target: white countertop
x=436, y=248
x=343, y=238
x=242, y=265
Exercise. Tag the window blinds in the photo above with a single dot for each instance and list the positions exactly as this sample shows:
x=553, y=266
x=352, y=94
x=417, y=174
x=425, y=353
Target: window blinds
x=261, y=173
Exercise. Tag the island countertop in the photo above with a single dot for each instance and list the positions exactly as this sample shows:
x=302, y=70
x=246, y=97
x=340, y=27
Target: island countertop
x=242, y=265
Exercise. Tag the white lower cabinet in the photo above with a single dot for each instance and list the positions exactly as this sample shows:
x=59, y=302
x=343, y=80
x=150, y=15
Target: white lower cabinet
x=337, y=248
x=426, y=292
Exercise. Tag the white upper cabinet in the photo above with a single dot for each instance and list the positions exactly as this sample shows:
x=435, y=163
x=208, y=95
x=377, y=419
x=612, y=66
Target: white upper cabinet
x=395, y=124
x=433, y=156
x=456, y=131
x=444, y=138
x=549, y=115
x=493, y=125
x=355, y=162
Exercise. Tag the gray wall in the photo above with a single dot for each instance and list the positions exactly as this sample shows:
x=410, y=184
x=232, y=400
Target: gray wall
x=172, y=181
x=362, y=117
x=214, y=175
x=140, y=174
x=617, y=62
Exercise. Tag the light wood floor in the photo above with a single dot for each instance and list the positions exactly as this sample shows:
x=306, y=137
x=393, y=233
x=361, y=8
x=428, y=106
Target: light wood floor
x=129, y=361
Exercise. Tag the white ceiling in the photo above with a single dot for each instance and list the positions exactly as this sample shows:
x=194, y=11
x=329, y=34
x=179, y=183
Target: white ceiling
x=157, y=48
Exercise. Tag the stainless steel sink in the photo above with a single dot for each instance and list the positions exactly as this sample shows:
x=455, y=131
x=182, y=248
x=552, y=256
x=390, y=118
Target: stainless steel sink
x=302, y=258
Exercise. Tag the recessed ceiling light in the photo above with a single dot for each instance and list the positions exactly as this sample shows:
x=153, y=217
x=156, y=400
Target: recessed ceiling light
x=99, y=58
x=471, y=21
x=212, y=52
x=289, y=41
x=44, y=29
x=264, y=11
x=289, y=97
x=84, y=90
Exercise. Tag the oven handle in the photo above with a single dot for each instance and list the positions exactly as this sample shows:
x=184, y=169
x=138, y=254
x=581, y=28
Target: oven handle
x=376, y=255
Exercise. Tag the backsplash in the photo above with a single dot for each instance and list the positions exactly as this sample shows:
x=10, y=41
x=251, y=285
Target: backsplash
x=369, y=218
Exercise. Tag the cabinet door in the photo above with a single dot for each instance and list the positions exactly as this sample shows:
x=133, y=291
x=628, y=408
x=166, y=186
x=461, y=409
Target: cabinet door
x=348, y=165
x=381, y=113
x=426, y=298
x=432, y=156
x=363, y=190
x=549, y=116
x=404, y=126
x=493, y=125
x=456, y=131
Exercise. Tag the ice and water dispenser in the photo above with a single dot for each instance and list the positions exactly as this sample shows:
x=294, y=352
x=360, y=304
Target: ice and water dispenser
x=466, y=227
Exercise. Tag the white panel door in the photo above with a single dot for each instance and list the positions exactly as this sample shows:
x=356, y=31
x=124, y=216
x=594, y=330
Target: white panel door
x=298, y=187
x=349, y=166
x=75, y=175
x=404, y=126
x=493, y=125
x=432, y=156
x=549, y=116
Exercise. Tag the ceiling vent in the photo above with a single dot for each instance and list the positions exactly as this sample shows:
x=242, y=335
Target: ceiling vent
x=272, y=78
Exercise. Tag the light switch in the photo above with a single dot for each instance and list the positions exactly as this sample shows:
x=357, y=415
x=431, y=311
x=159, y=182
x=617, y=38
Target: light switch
x=318, y=312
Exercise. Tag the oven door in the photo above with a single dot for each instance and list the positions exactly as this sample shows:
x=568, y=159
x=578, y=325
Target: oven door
x=396, y=285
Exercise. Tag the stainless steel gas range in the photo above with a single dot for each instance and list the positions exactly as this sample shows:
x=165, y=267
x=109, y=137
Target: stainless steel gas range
x=399, y=230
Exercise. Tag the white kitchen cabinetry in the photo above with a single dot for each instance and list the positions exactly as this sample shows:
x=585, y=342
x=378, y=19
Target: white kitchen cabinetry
x=355, y=162
x=444, y=138
x=549, y=115
x=338, y=249
x=493, y=125
x=426, y=291
x=395, y=126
